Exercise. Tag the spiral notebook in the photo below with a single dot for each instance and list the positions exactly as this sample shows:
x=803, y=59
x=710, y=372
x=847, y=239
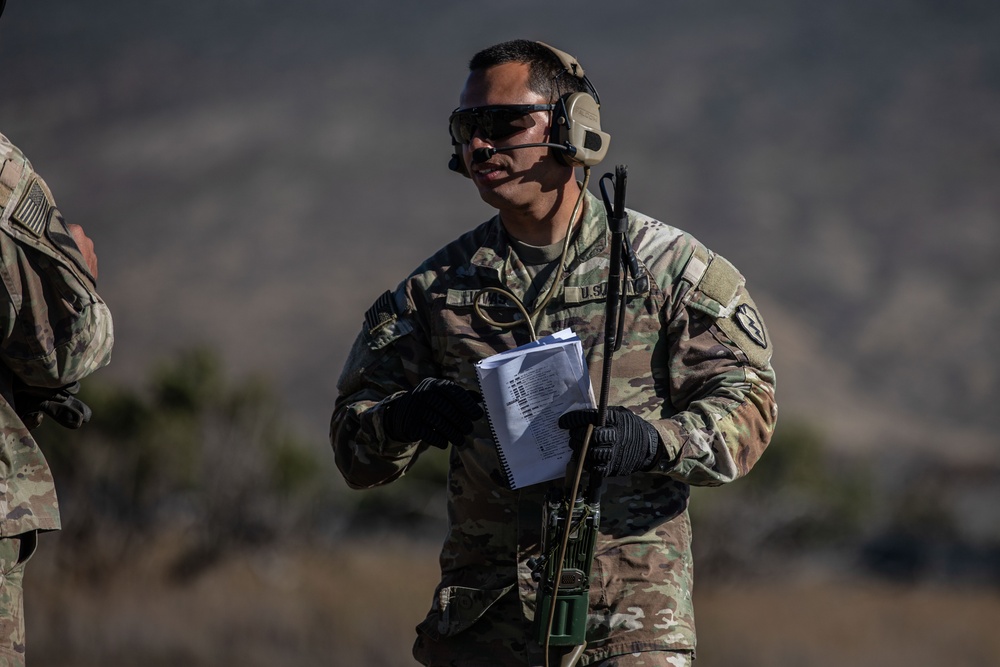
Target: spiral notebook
x=526, y=390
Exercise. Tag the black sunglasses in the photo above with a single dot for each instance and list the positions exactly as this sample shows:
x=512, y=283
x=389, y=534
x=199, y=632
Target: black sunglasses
x=497, y=121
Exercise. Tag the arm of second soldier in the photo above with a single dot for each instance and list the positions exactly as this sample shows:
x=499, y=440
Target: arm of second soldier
x=374, y=373
x=56, y=330
x=721, y=391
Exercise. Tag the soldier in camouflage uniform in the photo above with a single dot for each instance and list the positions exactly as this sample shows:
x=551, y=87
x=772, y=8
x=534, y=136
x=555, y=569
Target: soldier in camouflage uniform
x=692, y=391
x=56, y=330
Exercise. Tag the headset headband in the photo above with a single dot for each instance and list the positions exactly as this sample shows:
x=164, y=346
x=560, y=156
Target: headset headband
x=571, y=64
x=574, y=68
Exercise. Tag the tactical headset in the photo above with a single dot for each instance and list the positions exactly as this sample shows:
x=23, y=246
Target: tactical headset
x=575, y=131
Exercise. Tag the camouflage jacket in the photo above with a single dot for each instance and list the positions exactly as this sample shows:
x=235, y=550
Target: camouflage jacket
x=695, y=363
x=55, y=329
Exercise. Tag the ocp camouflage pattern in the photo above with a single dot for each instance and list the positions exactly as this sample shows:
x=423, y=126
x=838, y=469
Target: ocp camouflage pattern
x=55, y=330
x=687, y=365
x=12, y=645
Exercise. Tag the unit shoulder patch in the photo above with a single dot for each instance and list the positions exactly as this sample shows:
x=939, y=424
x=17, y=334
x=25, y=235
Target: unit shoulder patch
x=746, y=328
x=748, y=319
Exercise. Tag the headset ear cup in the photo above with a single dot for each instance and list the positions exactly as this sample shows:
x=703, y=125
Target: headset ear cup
x=580, y=128
x=559, y=133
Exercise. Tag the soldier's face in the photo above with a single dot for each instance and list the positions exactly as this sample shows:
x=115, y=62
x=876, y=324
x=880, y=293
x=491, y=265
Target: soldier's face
x=515, y=178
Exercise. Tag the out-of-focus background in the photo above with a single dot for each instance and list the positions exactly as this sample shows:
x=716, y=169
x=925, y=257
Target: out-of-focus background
x=255, y=173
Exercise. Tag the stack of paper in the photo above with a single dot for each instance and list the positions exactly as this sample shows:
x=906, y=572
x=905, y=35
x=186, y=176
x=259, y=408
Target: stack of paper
x=526, y=390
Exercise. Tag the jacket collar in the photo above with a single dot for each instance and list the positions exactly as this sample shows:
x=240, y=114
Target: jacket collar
x=592, y=237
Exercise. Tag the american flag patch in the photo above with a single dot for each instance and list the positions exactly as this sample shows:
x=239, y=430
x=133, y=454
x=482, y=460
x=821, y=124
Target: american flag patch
x=381, y=313
x=33, y=211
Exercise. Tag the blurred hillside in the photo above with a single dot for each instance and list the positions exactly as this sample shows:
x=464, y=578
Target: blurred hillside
x=256, y=173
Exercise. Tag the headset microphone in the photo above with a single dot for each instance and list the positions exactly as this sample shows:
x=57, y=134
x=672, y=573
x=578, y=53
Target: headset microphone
x=482, y=154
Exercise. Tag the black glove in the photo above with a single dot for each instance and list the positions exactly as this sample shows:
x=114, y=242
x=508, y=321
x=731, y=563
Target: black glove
x=435, y=411
x=60, y=404
x=625, y=444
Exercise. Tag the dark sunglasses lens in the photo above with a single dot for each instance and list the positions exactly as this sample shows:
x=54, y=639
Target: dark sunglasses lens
x=462, y=126
x=494, y=123
x=506, y=122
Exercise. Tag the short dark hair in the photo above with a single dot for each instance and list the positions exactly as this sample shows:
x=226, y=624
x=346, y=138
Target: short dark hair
x=547, y=75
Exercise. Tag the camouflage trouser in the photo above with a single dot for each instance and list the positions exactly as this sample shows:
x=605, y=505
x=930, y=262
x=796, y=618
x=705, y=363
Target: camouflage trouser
x=650, y=659
x=14, y=553
x=501, y=640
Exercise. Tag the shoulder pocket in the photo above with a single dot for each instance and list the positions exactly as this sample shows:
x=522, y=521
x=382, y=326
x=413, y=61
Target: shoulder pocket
x=718, y=290
x=716, y=285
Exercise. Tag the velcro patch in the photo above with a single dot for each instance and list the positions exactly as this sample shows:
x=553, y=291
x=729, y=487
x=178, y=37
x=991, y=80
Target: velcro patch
x=746, y=328
x=382, y=312
x=465, y=298
x=33, y=210
x=716, y=287
x=749, y=320
x=382, y=322
x=585, y=293
x=721, y=281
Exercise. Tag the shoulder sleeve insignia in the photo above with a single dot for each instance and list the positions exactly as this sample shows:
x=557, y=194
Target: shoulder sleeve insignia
x=382, y=312
x=746, y=329
x=383, y=325
x=33, y=211
x=750, y=322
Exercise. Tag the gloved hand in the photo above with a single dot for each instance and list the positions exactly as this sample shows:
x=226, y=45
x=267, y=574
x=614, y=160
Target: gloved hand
x=60, y=404
x=625, y=444
x=435, y=411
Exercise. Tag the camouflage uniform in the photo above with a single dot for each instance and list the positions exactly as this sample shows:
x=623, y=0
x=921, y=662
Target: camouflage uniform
x=56, y=330
x=695, y=363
